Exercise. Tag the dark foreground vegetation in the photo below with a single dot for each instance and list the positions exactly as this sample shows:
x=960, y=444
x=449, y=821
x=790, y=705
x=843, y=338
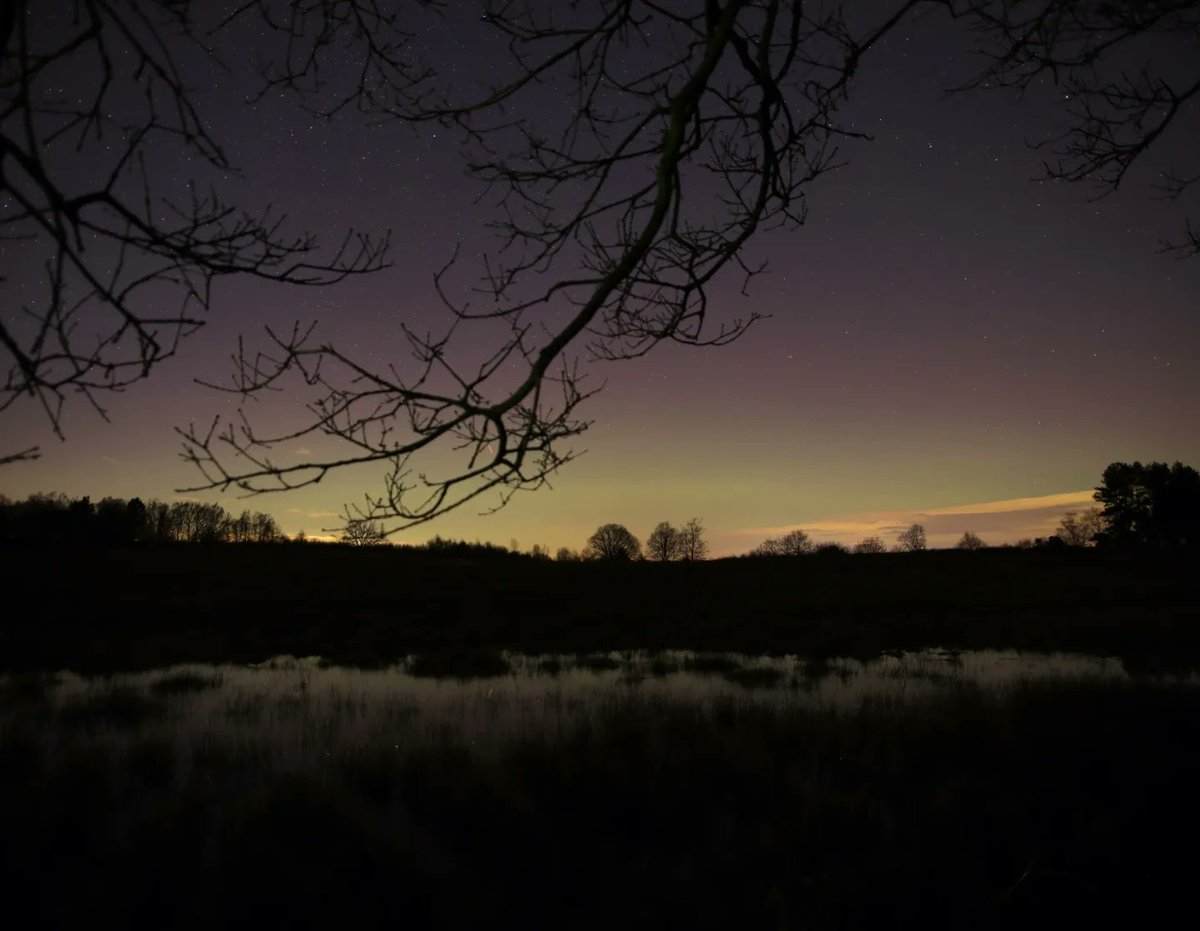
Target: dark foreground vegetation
x=1051, y=805
x=1058, y=804
x=140, y=607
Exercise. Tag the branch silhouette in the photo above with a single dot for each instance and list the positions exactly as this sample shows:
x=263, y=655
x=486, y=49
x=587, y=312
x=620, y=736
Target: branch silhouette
x=683, y=135
x=1123, y=95
x=91, y=97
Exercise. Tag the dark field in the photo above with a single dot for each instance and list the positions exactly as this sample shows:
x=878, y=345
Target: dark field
x=108, y=609
x=1058, y=802
x=1049, y=805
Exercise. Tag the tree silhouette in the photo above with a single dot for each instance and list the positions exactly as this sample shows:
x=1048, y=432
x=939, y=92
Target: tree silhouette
x=792, y=543
x=611, y=230
x=663, y=544
x=1150, y=505
x=197, y=522
x=612, y=541
x=692, y=545
x=912, y=539
x=683, y=131
x=57, y=519
x=870, y=545
x=116, y=522
x=364, y=533
x=1122, y=94
x=105, y=266
x=970, y=541
x=136, y=511
x=1081, y=529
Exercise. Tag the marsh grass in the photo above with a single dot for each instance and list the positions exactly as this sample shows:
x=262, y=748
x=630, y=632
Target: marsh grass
x=711, y=663
x=114, y=706
x=21, y=749
x=660, y=665
x=597, y=662
x=755, y=677
x=1041, y=804
x=26, y=689
x=151, y=764
x=245, y=708
x=184, y=682
x=462, y=664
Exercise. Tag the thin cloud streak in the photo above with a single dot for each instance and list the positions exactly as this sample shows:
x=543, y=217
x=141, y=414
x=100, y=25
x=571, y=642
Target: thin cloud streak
x=1066, y=499
x=998, y=522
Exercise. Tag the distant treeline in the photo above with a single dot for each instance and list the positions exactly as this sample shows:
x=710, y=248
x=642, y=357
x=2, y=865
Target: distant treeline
x=1139, y=506
x=440, y=546
x=58, y=520
x=55, y=519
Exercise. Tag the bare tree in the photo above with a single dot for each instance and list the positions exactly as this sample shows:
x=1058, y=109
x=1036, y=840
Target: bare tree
x=792, y=543
x=692, y=545
x=970, y=541
x=685, y=129
x=364, y=533
x=663, y=543
x=197, y=522
x=870, y=545
x=253, y=527
x=1078, y=529
x=238, y=528
x=105, y=271
x=612, y=541
x=1129, y=74
x=264, y=528
x=912, y=539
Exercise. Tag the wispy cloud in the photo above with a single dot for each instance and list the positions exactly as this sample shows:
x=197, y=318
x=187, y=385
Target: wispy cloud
x=1065, y=500
x=1003, y=521
x=307, y=513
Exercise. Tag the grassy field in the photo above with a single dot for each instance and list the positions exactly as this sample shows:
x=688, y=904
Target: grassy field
x=1041, y=804
x=108, y=609
x=1048, y=805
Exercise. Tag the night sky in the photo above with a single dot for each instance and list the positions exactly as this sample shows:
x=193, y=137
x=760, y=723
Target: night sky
x=950, y=341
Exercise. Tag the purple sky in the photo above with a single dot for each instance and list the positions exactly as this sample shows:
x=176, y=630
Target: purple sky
x=945, y=333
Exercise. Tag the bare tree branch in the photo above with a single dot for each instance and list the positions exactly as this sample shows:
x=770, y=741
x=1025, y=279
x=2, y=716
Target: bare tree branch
x=686, y=128
x=683, y=129
x=1123, y=90
x=114, y=269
